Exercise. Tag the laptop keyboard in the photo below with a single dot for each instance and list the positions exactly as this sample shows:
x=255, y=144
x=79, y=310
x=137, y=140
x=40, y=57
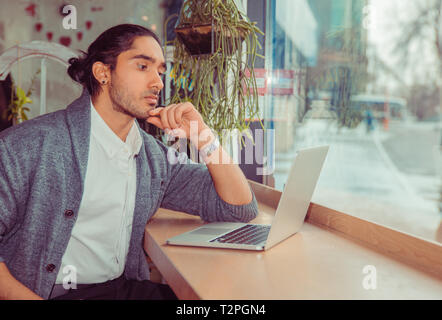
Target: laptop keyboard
x=249, y=234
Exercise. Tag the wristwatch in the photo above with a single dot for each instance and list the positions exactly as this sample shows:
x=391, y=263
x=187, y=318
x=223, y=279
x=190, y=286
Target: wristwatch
x=206, y=151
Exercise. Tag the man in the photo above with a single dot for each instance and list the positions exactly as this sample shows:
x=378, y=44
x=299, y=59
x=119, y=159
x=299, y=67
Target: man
x=78, y=186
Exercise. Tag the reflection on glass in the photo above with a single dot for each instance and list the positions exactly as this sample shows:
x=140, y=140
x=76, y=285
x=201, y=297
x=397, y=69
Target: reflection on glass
x=365, y=78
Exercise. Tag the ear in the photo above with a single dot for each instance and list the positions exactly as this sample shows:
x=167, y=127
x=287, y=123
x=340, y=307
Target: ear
x=101, y=72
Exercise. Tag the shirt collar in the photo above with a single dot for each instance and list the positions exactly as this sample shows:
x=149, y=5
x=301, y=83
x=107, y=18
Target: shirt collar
x=110, y=142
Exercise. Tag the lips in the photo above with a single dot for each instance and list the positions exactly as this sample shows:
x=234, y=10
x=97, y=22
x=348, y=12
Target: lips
x=152, y=99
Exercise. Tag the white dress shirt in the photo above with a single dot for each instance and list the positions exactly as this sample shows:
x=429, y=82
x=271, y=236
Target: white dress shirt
x=99, y=243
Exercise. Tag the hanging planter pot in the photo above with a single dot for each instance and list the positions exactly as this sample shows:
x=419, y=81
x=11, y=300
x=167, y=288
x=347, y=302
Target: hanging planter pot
x=204, y=38
x=196, y=38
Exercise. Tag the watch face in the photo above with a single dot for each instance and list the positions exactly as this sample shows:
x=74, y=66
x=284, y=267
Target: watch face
x=210, y=151
x=211, y=148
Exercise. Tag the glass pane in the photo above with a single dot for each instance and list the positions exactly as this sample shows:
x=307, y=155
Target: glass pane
x=365, y=78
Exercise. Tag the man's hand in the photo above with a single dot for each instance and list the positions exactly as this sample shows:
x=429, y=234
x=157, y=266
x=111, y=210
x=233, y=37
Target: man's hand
x=182, y=120
x=230, y=182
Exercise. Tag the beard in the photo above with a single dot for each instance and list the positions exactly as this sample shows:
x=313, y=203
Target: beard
x=126, y=103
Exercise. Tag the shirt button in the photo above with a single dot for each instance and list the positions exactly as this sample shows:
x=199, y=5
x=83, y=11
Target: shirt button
x=68, y=213
x=50, y=267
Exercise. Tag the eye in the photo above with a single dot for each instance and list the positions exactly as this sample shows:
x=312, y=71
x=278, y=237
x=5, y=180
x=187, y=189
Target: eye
x=142, y=67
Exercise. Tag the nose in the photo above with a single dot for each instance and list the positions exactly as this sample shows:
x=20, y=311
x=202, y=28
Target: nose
x=157, y=82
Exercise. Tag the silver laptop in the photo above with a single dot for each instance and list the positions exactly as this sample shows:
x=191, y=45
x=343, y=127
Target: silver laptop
x=288, y=219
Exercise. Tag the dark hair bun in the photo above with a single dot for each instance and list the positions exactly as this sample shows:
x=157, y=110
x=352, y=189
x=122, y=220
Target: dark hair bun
x=76, y=69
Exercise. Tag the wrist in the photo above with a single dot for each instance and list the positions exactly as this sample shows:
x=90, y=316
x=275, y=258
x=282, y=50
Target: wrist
x=205, y=137
x=208, y=150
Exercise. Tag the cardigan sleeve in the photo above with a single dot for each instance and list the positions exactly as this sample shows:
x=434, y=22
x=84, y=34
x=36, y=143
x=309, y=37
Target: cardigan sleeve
x=8, y=208
x=190, y=189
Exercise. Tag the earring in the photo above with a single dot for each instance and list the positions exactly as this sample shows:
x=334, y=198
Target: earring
x=103, y=82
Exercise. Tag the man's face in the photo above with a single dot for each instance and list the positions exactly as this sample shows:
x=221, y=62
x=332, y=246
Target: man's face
x=136, y=80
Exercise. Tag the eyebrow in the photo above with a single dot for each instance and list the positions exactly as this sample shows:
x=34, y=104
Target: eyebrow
x=143, y=56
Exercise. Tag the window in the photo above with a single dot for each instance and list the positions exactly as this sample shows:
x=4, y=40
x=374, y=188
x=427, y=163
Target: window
x=360, y=76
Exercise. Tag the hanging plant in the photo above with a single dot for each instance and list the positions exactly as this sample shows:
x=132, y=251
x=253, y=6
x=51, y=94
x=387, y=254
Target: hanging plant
x=213, y=63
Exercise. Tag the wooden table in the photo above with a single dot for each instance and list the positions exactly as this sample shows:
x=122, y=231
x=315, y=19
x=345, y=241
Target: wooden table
x=316, y=263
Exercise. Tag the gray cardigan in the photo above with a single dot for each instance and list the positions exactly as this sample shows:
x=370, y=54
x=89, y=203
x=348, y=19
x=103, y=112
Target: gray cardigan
x=43, y=164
